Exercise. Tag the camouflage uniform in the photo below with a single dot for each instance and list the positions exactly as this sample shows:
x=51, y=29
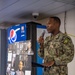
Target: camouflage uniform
x=60, y=49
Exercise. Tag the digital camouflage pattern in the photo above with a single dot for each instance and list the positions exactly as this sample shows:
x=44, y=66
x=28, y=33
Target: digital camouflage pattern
x=60, y=49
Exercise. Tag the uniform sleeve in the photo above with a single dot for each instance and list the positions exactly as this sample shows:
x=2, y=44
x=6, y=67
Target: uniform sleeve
x=41, y=51
x=68, y=52
x=41, y=48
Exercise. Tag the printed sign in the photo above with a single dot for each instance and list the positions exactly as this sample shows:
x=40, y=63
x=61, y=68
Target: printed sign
x=16, y=33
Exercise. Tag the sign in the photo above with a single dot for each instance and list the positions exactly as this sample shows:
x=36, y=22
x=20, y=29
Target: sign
x=16, y=33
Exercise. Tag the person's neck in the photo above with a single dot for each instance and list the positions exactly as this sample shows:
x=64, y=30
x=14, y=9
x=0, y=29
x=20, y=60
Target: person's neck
x=55, y=33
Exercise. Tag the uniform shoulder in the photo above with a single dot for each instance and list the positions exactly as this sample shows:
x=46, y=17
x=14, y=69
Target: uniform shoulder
x=64, y=35
x=66, y=39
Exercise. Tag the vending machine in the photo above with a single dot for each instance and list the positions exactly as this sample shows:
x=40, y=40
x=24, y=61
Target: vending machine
x=22, y=49
x=19, y=51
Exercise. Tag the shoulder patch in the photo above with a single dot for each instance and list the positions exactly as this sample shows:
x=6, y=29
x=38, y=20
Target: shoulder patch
x=66, y=41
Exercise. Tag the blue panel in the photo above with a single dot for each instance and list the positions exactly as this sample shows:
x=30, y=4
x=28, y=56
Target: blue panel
x=41, y=26
x=39, y=59
x=16, y=33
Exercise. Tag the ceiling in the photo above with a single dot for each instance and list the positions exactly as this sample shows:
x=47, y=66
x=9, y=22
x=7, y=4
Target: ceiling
x=20, y=11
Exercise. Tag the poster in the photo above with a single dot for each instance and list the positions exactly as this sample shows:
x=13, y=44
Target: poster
x=18, y=58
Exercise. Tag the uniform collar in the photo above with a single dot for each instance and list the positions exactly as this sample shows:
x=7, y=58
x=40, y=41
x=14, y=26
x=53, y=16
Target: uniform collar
x=56, y=36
